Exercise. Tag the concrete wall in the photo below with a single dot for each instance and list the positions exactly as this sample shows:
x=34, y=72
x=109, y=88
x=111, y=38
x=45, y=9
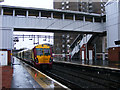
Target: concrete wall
x=113, y=30
x=6, y=35
x=119, y=21
x=53, y=24
x=112, y=25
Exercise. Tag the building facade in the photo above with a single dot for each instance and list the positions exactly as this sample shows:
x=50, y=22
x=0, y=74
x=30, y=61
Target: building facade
x=62, y=42
x=89, y=6
x=113, y=29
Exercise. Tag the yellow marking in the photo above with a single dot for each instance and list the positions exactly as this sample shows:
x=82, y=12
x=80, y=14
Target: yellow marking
x=40, y=46
x=11, y=53
x=39, y=79
x=45, y=82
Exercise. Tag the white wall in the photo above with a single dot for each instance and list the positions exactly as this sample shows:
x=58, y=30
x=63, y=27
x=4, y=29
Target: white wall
x=6, y=38
x=112, y=26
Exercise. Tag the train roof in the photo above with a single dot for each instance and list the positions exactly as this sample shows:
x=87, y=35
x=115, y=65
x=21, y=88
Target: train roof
x=24, y=50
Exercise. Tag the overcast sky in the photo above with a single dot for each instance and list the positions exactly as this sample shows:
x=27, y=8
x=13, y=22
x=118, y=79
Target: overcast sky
x=29, y=43
x=30, y=3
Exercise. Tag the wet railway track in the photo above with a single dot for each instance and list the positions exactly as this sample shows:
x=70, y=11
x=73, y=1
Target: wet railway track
x=83, y=77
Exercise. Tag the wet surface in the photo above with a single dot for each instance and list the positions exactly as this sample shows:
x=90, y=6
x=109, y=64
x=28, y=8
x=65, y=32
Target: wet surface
x=21, y=78
x=103, y=63
x=26, y=77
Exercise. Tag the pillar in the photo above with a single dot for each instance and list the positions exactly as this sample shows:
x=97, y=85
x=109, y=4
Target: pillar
x=63, y=16
x=103, y=47
x=73, y=17
x=83, y=18
x=39, y=14
x=93, y=19
x=2, y=12
x=51, y=15
x=27, y=13
x=13, y=12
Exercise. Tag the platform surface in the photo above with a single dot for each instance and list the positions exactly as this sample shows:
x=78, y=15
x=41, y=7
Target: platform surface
x=25, y=76
x=92, y=63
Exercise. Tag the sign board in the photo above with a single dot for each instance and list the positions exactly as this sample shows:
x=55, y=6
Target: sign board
x=3, y=58
x=1, y=0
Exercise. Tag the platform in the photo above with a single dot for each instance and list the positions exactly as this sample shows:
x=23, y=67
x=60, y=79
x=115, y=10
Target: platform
x=98, y=63
x=25, y=76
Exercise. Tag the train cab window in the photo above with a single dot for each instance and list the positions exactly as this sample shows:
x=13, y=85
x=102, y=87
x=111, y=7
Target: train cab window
x=39, y=51
x=46, y=51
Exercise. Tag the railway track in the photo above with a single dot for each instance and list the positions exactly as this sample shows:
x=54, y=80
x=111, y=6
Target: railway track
x=83, y=77
x=74, y=77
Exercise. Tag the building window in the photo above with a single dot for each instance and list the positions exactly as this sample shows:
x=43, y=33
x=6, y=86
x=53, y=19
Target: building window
x=67, y=6
x=63, y=8
x=68, y=41
x=67, y=2
x=63, y=3
x=63, y=51
x=68, y=36
x=63, y=46
x=63, y=41
x=63, y=36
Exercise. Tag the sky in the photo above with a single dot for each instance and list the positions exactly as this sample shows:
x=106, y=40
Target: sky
x=29, y=43
x=30, y=3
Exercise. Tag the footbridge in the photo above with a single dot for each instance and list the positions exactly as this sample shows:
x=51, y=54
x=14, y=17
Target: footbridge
x=14, y=18
x=50, y=19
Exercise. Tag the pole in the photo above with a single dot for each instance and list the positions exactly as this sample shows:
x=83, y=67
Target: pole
x=86, y=47
x=95, y=51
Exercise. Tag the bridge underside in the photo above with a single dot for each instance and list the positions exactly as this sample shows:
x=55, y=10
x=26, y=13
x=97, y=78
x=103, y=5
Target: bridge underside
x=54, y=30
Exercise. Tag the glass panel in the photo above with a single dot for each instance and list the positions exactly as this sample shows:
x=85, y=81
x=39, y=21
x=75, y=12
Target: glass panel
x=46, y=51
x=39, y=51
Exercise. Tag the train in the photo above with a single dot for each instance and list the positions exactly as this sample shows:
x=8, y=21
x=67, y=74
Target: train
x=40, y=56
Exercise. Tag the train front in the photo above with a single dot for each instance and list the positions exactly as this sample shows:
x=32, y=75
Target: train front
x=43, y=56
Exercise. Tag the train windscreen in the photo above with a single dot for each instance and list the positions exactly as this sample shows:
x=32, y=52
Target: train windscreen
x=46, y=51
x=39, y=51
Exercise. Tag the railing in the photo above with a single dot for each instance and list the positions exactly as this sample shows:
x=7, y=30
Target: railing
x=78, y=46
